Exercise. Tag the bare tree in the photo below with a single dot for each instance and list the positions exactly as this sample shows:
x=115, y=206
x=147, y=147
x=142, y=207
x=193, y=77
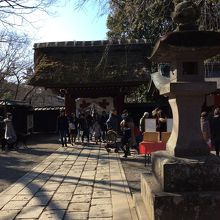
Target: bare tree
x=16, y=56
x=15, y=60
x=13, y=12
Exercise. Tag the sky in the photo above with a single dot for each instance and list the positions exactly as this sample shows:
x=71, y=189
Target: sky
x=69, y=25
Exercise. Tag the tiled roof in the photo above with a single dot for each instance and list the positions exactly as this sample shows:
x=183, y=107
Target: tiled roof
x=90, y=43
x=91, y=63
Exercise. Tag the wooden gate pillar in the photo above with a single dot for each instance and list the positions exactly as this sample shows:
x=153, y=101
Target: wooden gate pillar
x=70, y=105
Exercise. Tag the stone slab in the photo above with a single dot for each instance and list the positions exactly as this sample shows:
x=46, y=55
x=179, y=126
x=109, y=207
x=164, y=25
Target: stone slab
x=30, y=212
x=52, y=214
x=56, y=205
x=100, y=211
x=162, y=205
x=79, y=207
x=76, y=216
x=185, y=175
x=8, y=214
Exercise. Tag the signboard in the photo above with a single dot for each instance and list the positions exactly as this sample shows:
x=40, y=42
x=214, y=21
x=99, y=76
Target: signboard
x=94, y=104
x=150, y=124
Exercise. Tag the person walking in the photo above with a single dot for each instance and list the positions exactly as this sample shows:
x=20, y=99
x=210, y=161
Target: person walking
x=113, y=122
x=215, y=131
x=73, y=125
x=10, y=135
x=103, y=119
x=126, y=138
x=161, y=120
x=84, y=127
x=142, y=122
x=96, y=128
x=130, y=124
x=205, y=126
x=62, y=124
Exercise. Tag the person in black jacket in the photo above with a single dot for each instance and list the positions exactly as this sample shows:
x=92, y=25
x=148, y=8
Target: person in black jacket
x=63, y=127
x=113, y=122
x=84, y=127
x=215, y=130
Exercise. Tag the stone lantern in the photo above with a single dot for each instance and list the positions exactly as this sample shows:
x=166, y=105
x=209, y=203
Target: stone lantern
x=185, y=52
x=185, y=179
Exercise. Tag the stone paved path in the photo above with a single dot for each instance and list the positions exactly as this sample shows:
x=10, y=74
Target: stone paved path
x=80, y=182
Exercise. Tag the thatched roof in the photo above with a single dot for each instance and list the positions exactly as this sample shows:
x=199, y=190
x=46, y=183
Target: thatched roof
x=83, y=64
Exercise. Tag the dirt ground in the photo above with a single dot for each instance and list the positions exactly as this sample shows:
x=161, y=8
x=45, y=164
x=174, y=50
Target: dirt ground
x=15, y=164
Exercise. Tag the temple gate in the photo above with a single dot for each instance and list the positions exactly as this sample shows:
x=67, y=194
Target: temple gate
x=92, y=69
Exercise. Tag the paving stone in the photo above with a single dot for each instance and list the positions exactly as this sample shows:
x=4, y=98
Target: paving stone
x=79, y=163
x=15, y=205
x=101, y=194
x=44, y=193
x=30, y=212
x=62, y=196
x=57, y=178
x=102, y=211
x=71, y=180
x=22, y=197
x=81, y=198
x=76, y=216
x=101, y=201
x=52, y=215
x=57, y=205
x=44, y=176
x=88, y=173
x=100, y=218
x=66, y=188
x=89, y=182
x=50, y=187
x=8, y=214
x=15, y=189
x=83, y=190
x=120, y=200
x=38, y=182
x=90, y=167
x=39, y=200
x=30, y=189
x=79, y=207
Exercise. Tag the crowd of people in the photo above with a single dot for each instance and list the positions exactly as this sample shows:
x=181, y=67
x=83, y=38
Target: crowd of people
x=95, y=127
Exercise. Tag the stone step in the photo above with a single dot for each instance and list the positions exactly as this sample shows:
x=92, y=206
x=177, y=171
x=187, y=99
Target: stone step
x=160, y=205
x=140, y=207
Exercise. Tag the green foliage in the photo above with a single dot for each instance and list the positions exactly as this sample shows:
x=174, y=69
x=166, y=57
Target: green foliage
x=149, y=19
x=137, y=19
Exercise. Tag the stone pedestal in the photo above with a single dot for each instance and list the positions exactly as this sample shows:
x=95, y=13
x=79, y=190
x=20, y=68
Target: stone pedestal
x=180, y=188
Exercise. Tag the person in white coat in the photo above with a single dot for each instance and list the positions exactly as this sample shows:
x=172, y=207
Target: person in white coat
x=10, y=135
